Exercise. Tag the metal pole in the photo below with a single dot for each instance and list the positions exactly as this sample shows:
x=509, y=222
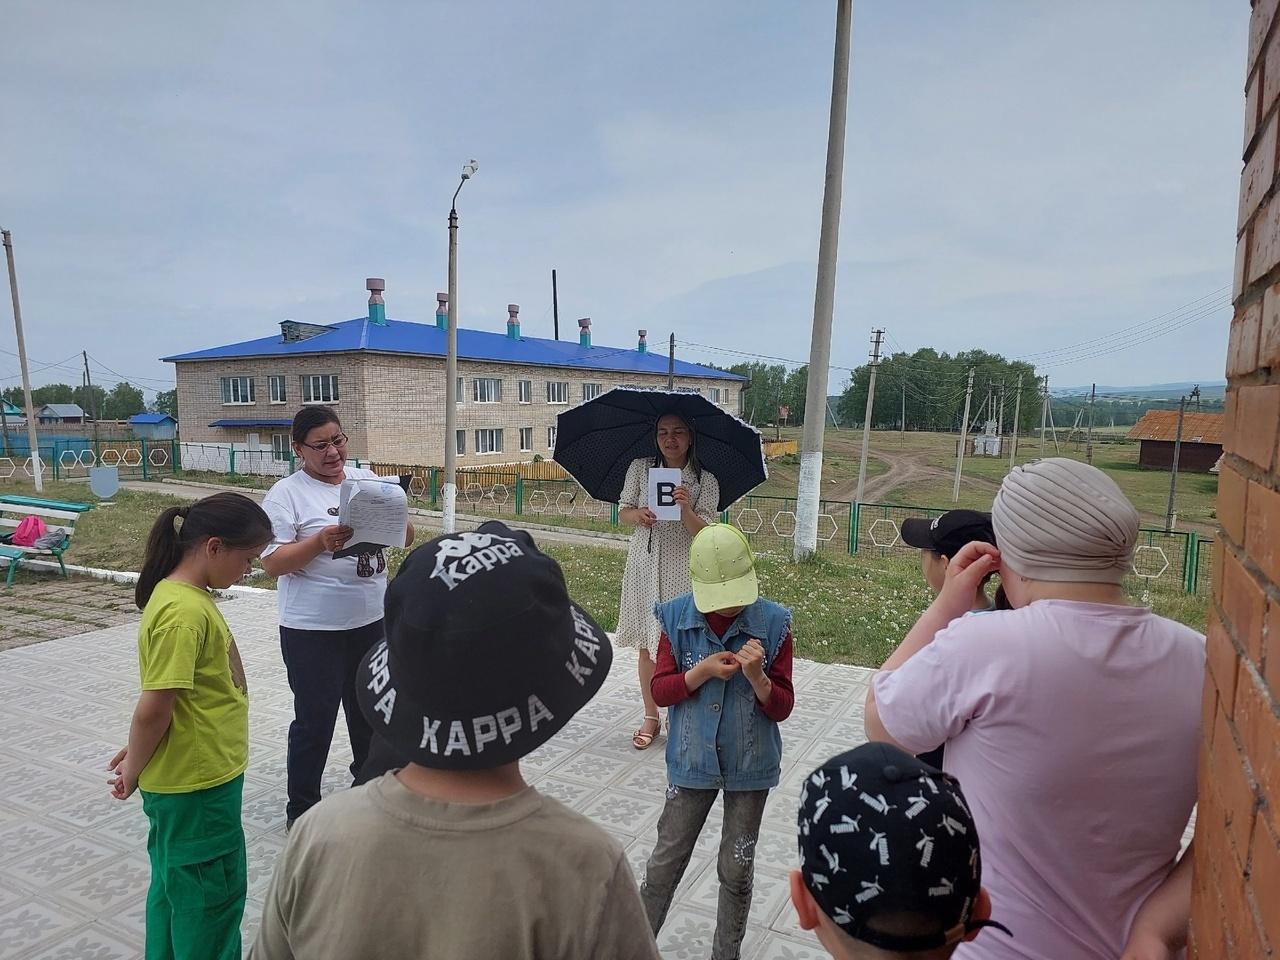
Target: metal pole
x=964, y=438
x=1088, y=443
x=866, y=419
x=449, y=520
x=903, y=421
x=1044, y=412
x=37, y=468
x=1017, y=410
x=671, y=363
x=1177, y=454
x=809, y=488
x=555, y=304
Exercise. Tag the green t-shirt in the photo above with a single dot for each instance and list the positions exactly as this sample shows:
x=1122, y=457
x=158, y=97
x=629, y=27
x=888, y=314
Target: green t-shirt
x=184, y=644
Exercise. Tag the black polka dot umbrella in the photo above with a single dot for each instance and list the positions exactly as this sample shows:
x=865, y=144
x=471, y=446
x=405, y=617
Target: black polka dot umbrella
x=597, y=440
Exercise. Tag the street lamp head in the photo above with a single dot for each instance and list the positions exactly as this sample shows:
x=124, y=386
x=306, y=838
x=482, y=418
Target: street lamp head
x=469, y=169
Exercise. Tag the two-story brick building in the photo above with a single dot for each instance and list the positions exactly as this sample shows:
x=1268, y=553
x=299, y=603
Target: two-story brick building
x=386, y=380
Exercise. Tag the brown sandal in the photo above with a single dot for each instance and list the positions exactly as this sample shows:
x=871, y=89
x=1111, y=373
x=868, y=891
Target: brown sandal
x=643, y=741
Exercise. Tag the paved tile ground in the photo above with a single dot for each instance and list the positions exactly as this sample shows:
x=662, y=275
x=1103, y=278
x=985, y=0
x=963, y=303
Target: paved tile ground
x=43, y=606
x=73, y=866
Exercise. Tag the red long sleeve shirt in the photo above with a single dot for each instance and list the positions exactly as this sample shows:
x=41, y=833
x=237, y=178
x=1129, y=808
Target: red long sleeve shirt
x=668, y=686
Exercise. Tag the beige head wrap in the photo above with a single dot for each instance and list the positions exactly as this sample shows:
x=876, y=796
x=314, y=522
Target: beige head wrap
x=1062, y=520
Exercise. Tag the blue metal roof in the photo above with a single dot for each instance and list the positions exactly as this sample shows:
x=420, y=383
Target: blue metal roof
x=145, y=418
x=424, y=340
x=252, y=422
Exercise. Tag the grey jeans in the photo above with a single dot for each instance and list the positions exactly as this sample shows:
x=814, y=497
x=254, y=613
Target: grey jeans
x=682, y=821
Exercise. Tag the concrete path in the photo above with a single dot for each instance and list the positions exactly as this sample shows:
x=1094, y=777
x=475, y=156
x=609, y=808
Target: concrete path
x=73, y=865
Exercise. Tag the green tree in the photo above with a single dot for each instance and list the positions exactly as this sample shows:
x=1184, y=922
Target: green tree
x=123, y=402
x=167, y=402
x=92, y=400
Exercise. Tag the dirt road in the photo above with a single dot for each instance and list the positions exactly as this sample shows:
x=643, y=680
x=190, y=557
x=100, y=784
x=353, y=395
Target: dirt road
x=906, y=467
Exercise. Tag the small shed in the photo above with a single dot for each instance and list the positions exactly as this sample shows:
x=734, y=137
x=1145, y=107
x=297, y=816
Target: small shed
x=1157, y=433
x=61, y=413
x=153, y=426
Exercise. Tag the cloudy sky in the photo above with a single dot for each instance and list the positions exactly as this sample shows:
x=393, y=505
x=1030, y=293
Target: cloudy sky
x=1038, y=179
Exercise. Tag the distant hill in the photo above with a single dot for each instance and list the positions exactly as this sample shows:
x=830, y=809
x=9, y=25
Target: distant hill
x=1209, y=390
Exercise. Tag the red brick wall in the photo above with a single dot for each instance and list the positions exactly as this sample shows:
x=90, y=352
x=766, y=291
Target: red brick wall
x=1236, y=901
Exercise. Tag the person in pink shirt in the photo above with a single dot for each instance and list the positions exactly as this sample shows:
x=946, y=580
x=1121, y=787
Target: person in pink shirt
x=1073, y=720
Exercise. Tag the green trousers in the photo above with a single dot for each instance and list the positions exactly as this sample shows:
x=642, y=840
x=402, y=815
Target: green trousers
x=198, y=873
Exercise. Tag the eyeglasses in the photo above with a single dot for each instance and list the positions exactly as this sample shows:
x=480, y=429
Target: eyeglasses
x=339, y=441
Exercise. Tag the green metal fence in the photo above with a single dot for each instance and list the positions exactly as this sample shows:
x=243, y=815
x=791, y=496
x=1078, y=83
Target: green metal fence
x=73, y=459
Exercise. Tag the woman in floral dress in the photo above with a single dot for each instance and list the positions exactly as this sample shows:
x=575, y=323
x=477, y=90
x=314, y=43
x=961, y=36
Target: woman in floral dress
x=658, y=557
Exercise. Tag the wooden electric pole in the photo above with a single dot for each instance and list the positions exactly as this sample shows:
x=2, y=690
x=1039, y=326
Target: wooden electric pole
x=876, y=337
x=1088, y=444
x=1177, y=453
x=37, y=467
x=1017, y=411
x=964, y=438
x=671, y=363
x=555, y=304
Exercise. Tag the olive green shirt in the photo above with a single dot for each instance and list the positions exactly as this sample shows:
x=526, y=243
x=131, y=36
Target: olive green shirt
x=380, y=871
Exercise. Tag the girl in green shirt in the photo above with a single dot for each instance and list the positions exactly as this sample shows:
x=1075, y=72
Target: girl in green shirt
x=189, y=738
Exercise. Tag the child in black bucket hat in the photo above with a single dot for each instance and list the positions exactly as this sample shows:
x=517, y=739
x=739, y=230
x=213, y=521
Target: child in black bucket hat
x=485, y=658
x=890, y=865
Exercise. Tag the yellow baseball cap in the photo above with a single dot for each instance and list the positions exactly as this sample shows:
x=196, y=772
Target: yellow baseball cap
x=722, y=569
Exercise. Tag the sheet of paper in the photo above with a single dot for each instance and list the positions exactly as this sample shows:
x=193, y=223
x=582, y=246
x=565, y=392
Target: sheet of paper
x=378, y=512
x=662, y=485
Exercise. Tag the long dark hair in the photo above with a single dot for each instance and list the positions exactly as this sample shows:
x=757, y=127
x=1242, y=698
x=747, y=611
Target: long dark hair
x=309, y=418
x=660, y=461
x=234, y=519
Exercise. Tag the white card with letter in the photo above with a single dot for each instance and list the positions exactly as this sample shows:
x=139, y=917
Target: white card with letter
x=662, y=487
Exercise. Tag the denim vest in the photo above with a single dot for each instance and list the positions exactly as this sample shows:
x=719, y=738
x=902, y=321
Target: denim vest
x=719, y=737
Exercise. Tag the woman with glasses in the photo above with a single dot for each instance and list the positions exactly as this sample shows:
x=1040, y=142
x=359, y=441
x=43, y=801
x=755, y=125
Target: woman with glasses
x=330, y=608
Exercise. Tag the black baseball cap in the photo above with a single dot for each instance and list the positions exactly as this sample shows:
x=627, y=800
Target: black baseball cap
x=485, y=656
x=885, y=838
x=948, y=533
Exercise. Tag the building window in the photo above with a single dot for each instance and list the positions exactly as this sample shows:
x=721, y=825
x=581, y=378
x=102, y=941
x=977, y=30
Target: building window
x=591, y=390
x=715, y=394
x=276, y=385
x=551, y=438
x=526, y=438
x=281, y=448
x=526, y=391
x=460, y=392
x=486, y=390
x=557, y=391
x=461, y=442
x=237, y=390
x=488, y=441
x=320, y=388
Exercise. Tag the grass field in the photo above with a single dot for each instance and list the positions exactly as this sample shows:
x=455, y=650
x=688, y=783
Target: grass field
x=848, y=609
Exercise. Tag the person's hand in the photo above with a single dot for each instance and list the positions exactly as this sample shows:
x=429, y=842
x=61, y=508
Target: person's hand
x=123, y=782
x=334, y=538
x=751, y=659
x=681, y=496
x=645, y=517
x=965, y=573
x=720, y=666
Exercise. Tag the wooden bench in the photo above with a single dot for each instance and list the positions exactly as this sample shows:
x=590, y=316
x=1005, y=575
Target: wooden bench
x=55, y=513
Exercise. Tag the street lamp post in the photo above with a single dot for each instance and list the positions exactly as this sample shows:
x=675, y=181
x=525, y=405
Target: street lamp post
x=451, y=364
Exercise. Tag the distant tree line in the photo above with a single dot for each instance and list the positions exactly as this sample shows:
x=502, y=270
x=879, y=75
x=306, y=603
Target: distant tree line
x=119, y=403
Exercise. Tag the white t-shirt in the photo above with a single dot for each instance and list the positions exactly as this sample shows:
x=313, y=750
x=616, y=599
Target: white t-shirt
x=326, y=594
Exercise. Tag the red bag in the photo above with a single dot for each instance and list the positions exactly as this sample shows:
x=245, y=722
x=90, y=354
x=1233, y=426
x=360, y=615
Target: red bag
x=29, y=531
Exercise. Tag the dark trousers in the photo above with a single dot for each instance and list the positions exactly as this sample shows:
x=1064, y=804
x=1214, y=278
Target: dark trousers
x=321, y=665
x=682, y=820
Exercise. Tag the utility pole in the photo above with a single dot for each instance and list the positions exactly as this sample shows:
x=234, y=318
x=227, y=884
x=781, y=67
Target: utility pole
x=671, y=363
x=876, y=337
x=1044, y=412
x=449, y=516
x=809, y=487
x=1000, y=414
x=1088, y=444
x=555, y=304
x=1017, y=411
x=91, y=399
x=37, y=467
x=903, y=421
x=964, y=438
x=1177, y=453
